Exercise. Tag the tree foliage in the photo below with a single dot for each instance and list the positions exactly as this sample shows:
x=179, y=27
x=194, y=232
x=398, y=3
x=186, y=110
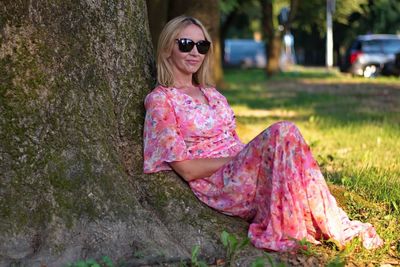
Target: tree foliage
x=379, y=16
x=240, y=19
x=311, y=14
x=350, y=18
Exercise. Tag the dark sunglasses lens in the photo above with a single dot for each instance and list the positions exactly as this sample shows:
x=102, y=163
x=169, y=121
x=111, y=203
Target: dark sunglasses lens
x=203, y=46
x=185, y=45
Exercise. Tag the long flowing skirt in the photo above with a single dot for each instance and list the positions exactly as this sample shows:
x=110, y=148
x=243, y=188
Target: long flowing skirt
x=276, y=184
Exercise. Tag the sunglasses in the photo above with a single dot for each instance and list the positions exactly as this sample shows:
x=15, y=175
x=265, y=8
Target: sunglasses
x=186, y=45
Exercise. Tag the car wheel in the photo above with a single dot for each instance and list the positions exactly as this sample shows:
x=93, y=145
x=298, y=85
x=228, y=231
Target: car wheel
x=371, y=71
x=245, y=63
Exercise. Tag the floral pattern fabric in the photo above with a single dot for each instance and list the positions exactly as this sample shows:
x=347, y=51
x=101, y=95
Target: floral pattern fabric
x=178, y=127
x=273, y=182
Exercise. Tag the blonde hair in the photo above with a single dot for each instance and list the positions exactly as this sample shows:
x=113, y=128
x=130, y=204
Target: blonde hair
x=166, y=42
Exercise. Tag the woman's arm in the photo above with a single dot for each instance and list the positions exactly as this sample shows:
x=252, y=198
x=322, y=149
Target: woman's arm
x=198, y=168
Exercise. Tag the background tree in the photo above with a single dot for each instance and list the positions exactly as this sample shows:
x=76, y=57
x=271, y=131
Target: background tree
x=157, y=17
x=207, y=11
x=351, y=18
x=309, y=29
x=380, y=16
x=73, y=75
x=273, y=33
x=307, y=24
x=240, y=19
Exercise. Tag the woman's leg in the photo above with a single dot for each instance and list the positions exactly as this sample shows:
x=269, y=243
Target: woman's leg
x=287, y=215
x=276, y=182
x=301, y=205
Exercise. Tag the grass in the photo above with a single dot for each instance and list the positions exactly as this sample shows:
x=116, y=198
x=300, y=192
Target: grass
x=353, y=127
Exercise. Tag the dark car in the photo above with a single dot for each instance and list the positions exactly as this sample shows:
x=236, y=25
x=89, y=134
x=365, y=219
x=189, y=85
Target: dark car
x=368, y=54
x=392, y=67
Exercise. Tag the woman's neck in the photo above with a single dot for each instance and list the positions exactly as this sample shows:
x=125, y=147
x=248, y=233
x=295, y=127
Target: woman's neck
x=182, y=79
x=179, y=83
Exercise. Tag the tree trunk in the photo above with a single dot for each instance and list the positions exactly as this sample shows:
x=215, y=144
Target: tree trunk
x=274, y=53
x=273, y=43
x=73, y=75
x=273, y=36
x=158, y=17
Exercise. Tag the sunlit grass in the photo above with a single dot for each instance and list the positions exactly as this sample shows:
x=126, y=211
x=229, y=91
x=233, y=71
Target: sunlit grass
x=353, y=127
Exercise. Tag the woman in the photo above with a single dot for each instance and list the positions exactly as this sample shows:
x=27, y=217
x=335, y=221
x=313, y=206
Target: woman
x=273, y=181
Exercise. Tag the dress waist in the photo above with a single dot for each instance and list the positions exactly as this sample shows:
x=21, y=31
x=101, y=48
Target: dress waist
x=227, y=146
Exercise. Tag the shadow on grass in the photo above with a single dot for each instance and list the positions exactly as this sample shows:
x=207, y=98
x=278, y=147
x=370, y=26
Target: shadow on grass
x=337, y=102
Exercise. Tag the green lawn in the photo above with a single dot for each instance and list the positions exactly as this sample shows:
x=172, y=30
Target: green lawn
x=353, y=127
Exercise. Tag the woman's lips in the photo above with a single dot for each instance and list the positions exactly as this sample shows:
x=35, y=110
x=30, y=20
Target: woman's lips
x=193, y=62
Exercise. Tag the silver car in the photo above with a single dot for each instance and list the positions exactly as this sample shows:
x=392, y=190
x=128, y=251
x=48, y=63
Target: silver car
x=369, y=53
x=245, y=53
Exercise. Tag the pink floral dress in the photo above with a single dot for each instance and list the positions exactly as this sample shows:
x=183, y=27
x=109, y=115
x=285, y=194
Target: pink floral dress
x=273, y=182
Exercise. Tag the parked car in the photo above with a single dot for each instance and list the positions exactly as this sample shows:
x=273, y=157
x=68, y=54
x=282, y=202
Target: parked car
x=368, y=54
x=245, y=53
x=393, y=66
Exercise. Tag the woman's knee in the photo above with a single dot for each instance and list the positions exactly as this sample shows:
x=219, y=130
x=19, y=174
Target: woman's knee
x=283, y=127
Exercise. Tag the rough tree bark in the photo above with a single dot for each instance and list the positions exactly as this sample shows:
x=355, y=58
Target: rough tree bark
x=73, y=75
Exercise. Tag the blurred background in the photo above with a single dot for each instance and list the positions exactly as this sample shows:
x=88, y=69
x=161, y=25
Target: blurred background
x=360, y=37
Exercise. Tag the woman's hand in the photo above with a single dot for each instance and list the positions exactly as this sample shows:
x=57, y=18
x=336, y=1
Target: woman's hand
x=198, y=168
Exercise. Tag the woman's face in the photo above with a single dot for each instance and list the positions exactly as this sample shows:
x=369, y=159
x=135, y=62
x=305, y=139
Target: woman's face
x=187, y=63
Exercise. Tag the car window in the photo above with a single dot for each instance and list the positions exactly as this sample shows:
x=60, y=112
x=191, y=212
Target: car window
x=356, y=45
x=239, y=50
x=372, y=46
x=391, y=46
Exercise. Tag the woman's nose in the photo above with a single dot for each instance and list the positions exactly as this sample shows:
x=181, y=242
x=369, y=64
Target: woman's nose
x=194, y=51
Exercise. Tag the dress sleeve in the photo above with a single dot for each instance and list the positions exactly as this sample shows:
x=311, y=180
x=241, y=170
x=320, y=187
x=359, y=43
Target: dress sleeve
x=163, y=141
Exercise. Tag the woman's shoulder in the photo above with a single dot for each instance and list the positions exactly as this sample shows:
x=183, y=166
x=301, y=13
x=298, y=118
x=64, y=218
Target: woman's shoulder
x=159, y=90
x=213, y=93
x=212, y=90
x=157, y=96
x=159, y=93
